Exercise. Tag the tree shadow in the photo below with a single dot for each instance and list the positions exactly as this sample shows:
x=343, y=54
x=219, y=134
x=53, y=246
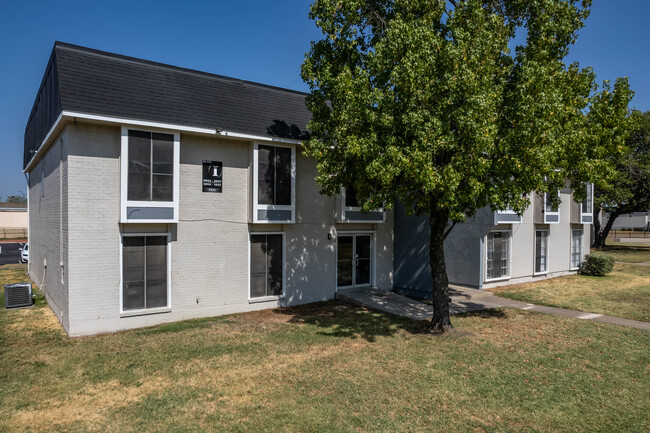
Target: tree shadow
x=491, y=313
x=281, y=128
x=340, y=320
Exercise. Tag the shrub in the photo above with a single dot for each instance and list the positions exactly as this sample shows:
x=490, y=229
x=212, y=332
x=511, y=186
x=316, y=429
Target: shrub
x=597, y=265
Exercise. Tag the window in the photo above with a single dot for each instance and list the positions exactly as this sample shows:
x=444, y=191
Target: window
x=266, y=265
x=149, y=176
x=351, y=211
x=151, y=166
x=498, y=255
x=587, y=207
x=576, y=248
x=145, y=282
x=541, y=251
x=551, y=211
x=274, y=183
x=351, y=197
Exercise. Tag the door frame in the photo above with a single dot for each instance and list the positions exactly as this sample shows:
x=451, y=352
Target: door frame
x=373, y=257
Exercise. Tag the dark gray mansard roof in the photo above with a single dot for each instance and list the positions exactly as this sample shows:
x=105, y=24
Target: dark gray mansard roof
x=96, y=82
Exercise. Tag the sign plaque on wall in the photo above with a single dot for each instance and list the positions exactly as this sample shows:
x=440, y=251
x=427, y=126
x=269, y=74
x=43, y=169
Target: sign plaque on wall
x=212, y=176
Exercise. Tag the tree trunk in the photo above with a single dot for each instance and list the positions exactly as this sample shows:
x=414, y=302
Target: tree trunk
x=601, y=235
x=597, y=216
x=438, y=219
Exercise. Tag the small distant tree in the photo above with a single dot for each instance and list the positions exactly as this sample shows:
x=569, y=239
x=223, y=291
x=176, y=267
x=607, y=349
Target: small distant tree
x=628, y=189
x=16, y=199
x=423, y=101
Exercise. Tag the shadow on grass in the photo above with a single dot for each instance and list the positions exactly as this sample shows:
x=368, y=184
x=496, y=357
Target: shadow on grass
x=337, y=319
x=491, y=313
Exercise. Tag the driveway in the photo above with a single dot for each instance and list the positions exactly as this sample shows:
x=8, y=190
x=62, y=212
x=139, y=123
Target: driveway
x=10, y=253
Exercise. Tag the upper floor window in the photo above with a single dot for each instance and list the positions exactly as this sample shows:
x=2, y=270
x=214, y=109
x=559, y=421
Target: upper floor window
x=351, y=211
x=351, y=197
x=587, y=207
x=274, y=183
x=149, y=176
x=151, y=166
x=551, y=210
x=274, y=175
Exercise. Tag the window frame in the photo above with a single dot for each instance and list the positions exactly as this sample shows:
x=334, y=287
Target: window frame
x=124, y=176
x=582, y=234
x=252, y=300
x=591, y=199
x=485, y=257
x=146, y=311
x=548, y=249
x=345, y=209
x=256, y=205
x=556, y=213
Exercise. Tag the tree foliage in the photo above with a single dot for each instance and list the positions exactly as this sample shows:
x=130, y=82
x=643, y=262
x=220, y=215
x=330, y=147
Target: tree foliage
x=425, y=102
x=628, y=189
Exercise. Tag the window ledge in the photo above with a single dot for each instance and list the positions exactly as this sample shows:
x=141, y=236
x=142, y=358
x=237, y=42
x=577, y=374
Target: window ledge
x=265, y=299
x=493, y=280
x=535, y=274
x=147, y=312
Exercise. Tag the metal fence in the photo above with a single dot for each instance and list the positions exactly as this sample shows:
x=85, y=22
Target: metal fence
x=13, y=233
x=623, y=234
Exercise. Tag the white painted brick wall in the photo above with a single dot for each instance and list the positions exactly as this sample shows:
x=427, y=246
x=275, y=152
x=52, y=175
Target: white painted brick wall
x=48, y=237
x=210, y=244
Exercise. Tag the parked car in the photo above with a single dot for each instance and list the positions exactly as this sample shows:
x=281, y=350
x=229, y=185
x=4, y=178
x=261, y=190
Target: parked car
x=24, y=254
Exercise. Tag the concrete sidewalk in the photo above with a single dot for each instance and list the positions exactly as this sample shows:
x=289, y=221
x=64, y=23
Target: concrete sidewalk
x=464, y=300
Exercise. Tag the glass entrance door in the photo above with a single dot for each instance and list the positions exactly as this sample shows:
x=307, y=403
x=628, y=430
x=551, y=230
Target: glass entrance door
x=354, y=260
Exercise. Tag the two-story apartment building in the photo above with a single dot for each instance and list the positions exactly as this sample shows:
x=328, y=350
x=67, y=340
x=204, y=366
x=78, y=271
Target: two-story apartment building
x=498, y=248
x=158, y=194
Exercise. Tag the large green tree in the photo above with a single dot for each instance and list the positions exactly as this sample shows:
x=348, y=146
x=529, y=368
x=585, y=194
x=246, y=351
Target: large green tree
x=628, y=190
x=425, y=102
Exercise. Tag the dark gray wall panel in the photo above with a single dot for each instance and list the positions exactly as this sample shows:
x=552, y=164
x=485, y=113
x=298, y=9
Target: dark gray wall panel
x=150, y=213
x=273, y=215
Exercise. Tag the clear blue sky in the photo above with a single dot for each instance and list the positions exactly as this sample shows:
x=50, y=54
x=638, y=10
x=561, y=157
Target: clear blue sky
x=263, y=41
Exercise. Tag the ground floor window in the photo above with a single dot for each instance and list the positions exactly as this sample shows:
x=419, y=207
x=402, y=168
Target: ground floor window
x=266, y=265
x=576, y=248
x=541, y=251
x=498, y=255
x=144, y=272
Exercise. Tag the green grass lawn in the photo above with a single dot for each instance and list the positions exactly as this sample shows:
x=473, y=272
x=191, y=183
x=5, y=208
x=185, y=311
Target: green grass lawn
x=623, y=293
x=631, y=253
x=324, y=367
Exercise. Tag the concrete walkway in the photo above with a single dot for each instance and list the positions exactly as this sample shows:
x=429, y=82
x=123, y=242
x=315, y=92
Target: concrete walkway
x=634, y=264
x=464, y=300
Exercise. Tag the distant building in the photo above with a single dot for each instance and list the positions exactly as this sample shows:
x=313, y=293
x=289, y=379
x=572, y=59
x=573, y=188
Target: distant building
x=13, y=220
x=634, y=220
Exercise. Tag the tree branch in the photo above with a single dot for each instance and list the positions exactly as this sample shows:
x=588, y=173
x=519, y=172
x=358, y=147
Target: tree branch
x=449, y=230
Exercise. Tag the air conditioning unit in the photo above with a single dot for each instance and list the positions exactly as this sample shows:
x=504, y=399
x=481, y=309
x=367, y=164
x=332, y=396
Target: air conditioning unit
x=18, y=295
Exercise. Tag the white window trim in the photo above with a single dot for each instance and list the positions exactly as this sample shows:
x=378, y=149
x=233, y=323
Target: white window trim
x=124, y=175
x=256, y=205
x=345, y=209
x=485, y=259
x=284, y=269
x=588, y=214
x=498, y=221
x=582, y=234
x=373, y=254
x=546, y=213
x=548, y=250
x=146, y=311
